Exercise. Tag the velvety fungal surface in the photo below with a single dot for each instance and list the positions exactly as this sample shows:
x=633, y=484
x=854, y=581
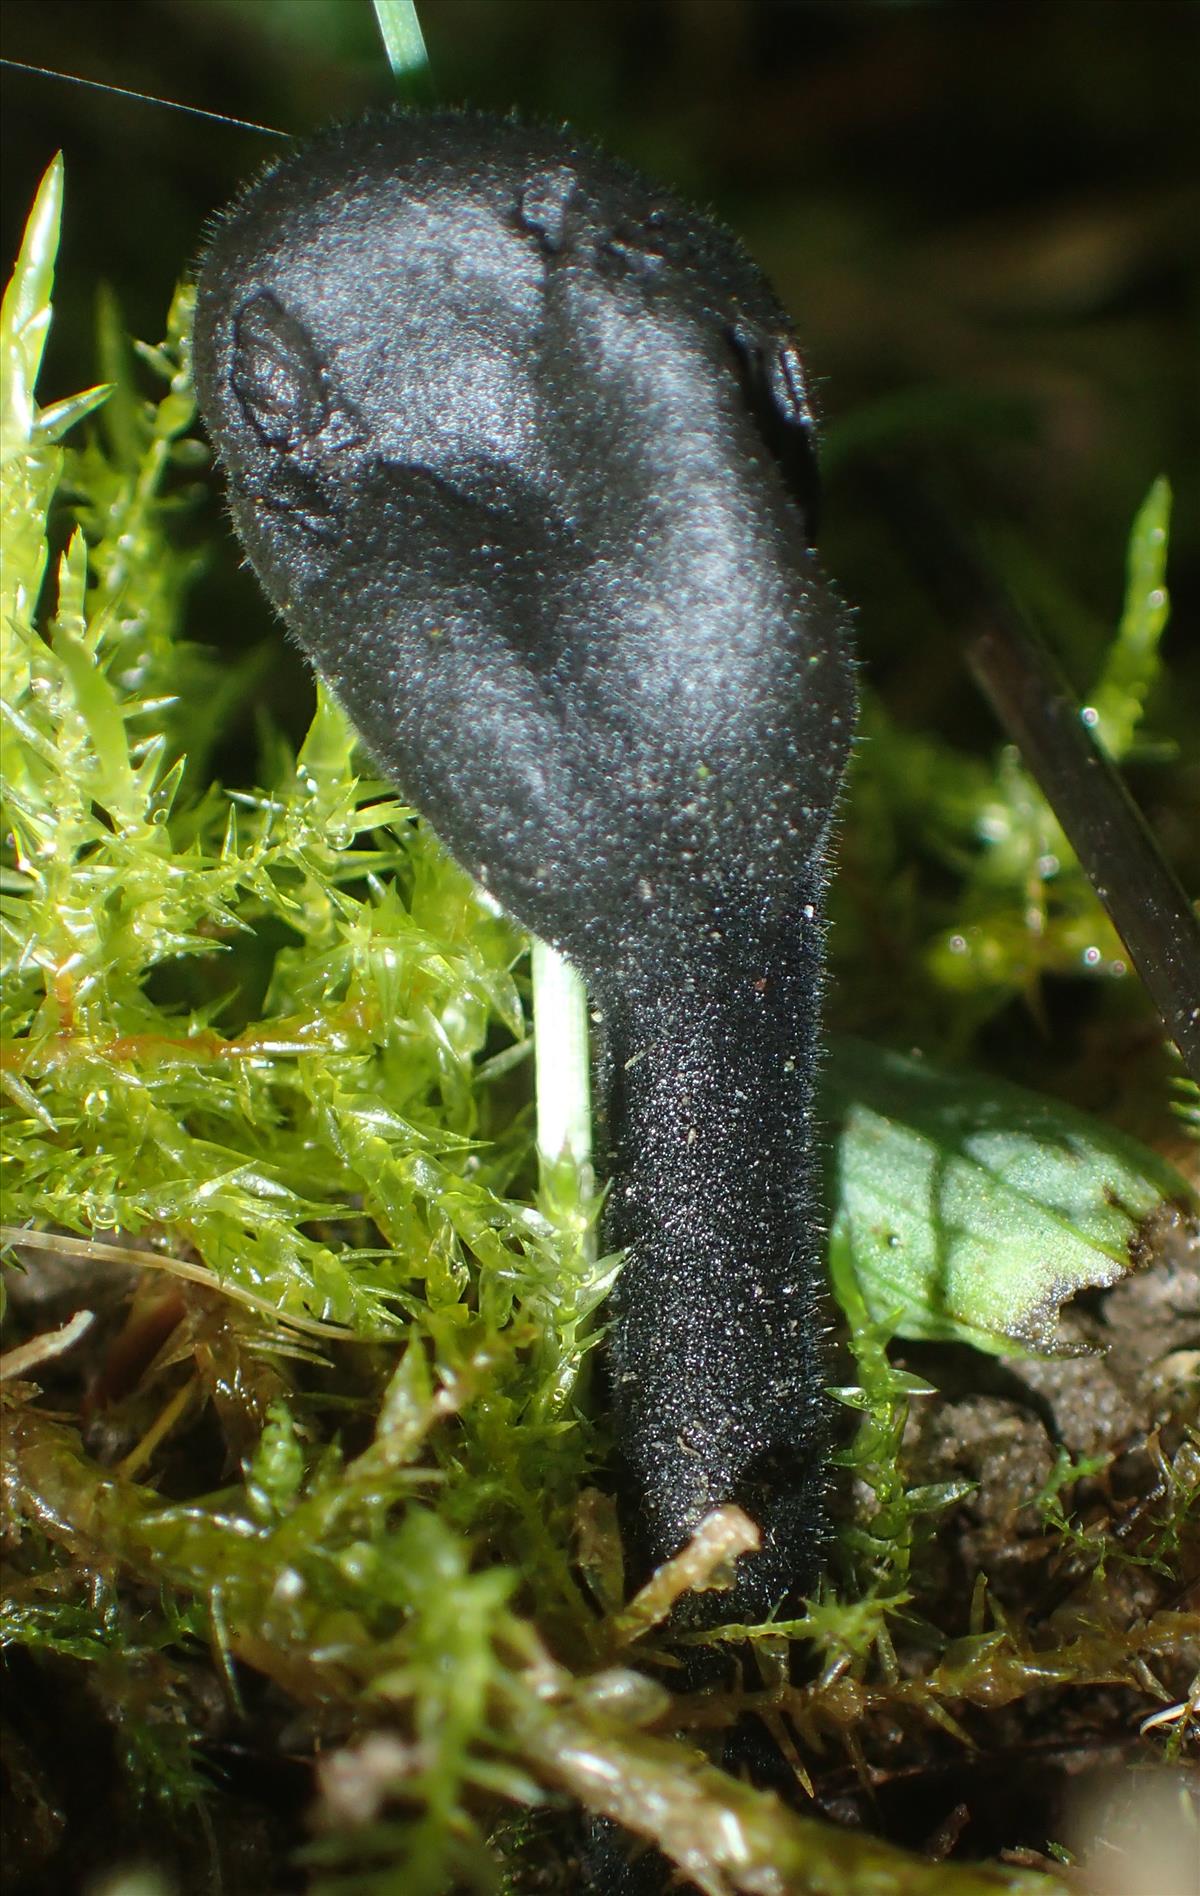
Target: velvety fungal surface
x=521, y=449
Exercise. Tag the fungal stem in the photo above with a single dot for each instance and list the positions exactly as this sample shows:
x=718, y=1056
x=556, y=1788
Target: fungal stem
x=715, y=1350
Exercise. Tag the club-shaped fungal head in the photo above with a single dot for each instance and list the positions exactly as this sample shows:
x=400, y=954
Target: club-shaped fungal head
x=521, y=449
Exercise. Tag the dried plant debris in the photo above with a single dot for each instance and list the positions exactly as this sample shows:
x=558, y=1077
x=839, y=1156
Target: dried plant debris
x=312, y=1573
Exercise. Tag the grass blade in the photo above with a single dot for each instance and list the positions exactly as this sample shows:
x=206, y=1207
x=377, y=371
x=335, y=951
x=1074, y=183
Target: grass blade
x=403, y=41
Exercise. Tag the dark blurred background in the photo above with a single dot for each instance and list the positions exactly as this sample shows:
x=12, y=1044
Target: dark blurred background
x=983, y=216
x=997, y=204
